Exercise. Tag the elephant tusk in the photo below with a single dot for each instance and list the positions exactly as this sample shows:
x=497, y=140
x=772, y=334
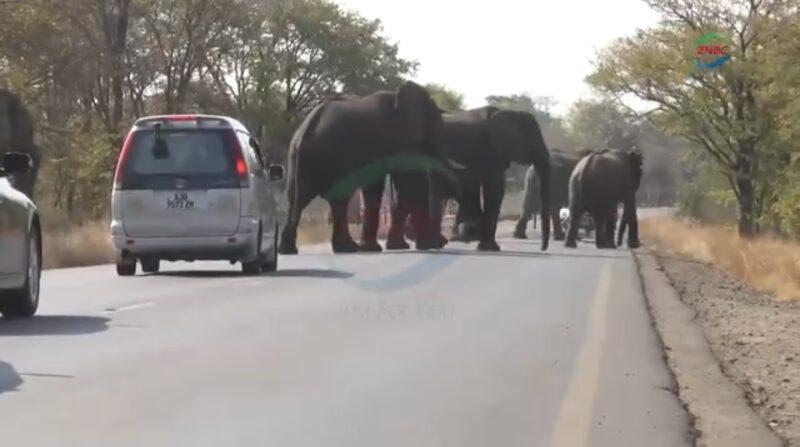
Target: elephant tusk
x=455, y=165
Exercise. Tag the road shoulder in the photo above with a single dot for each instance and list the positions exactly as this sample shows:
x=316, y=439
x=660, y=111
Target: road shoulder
x=721, y=413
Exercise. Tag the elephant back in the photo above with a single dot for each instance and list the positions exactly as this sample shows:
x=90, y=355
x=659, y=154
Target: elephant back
x=608, y=175
x=5, y=121
x=16, y=124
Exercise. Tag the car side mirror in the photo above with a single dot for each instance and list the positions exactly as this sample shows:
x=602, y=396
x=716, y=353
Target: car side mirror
x=275, y=173
x=17, y=163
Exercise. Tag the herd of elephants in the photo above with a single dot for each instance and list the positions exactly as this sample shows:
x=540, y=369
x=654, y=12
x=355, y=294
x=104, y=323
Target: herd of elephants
x=347, y=143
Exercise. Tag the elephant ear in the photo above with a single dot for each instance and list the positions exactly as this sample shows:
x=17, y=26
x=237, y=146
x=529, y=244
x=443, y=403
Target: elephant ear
x=505, y=132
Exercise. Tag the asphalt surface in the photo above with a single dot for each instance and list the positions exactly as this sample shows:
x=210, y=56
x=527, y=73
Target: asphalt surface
x=456, y=348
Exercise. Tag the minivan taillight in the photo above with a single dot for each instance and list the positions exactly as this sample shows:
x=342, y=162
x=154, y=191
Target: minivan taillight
x=123, y=157
x=237, y=157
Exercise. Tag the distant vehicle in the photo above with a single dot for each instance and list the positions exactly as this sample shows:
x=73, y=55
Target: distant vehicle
x=194, y=187
x=20, y=242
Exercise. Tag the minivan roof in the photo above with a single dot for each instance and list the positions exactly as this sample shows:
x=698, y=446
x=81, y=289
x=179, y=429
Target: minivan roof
x=211, y=121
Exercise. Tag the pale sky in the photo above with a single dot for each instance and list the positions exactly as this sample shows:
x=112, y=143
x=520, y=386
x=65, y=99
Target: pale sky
x=480, y=48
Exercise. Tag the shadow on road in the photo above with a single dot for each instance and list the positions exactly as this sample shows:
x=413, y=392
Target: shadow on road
x=200, y=274
x=310, y=273
x=9, y=379
x=521, y=254
x=54, y=325
x=281, y=273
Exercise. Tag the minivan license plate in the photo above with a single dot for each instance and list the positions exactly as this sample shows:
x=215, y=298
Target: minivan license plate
x=184, y=200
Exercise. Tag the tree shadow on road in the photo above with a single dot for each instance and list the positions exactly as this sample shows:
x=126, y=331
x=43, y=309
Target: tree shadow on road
x=10, y=380
x=53, y=325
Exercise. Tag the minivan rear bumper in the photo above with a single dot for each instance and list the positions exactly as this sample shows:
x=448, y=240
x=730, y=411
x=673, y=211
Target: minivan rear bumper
x=240, y=246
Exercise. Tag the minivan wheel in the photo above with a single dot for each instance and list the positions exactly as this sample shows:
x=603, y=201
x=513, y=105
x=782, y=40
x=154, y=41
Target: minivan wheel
x=22, y=303
x=272, y=265
x=254, y=267
x=126, y=266
x=150, y=265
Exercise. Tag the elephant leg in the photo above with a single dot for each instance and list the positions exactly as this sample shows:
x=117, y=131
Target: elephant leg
x=558, y=229
x=611, y=226
x=528, y=214
x=600, y=232
x=519, y=229
x=630, y=217
x=395, y=239
x=494, y=189
x=469, y=212
x=415, y=186
x=436, y=222
x=575, y=215
x=300, y=195
x=621, y=230
x=454, y=236
x=372, y=195
x=341, y=241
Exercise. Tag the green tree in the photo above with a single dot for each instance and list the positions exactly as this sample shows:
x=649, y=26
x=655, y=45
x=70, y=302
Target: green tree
x=729, y=112
x=446, y=98
x=594, y=124
x=311, y=49
x=266, y=62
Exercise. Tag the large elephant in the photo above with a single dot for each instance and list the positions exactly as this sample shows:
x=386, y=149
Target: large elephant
x=347, y=143
x=599, y=182
x=16, y=135
x=561, y=165
x=483, y=142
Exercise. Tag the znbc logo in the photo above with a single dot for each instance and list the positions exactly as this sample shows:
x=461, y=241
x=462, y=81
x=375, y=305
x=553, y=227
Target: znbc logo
x=710, y=51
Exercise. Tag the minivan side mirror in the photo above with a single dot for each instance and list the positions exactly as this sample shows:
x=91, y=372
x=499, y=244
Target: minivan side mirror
x=17, y=163
x=275, y=173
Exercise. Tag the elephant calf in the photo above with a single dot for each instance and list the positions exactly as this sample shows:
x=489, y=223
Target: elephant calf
x=600, y=181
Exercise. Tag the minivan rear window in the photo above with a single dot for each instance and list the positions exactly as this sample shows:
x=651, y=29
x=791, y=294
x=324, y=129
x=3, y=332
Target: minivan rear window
x=187, y=159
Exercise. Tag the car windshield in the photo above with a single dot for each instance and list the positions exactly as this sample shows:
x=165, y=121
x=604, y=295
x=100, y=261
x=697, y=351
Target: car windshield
x=200, y=158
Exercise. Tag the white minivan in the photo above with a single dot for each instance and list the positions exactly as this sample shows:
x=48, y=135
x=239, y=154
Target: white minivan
x=194, y=187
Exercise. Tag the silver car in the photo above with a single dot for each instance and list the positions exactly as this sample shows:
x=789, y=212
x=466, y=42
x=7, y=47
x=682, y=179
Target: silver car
x=194, y=187
x=20, y=242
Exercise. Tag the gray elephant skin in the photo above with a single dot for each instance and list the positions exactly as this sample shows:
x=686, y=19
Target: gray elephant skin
x=16, y=135
x=483, y=142
x=347, y=143
x=562, y=162
x=599, y=183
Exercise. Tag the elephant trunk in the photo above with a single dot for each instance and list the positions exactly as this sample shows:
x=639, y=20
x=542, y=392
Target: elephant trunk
x=542, y=166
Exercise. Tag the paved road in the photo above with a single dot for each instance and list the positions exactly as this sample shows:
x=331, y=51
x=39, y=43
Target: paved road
x=459, y=348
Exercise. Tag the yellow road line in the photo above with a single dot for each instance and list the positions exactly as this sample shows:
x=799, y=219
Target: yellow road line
x=575, y=417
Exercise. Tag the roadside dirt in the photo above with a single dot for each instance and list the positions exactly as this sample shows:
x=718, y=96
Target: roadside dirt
x=755, y=337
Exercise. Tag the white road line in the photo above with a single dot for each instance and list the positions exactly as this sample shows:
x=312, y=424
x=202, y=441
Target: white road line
x=575, y=417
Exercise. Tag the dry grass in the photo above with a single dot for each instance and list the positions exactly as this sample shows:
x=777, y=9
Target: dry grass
x=75, y=246
x=769, y=264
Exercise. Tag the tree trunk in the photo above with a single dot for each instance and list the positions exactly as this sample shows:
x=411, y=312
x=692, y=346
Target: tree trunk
x=744, y=183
